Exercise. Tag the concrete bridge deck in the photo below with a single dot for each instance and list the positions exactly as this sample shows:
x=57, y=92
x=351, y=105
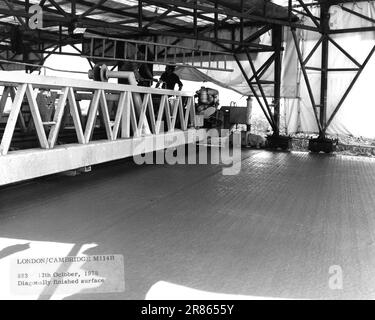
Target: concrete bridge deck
x=272, y=231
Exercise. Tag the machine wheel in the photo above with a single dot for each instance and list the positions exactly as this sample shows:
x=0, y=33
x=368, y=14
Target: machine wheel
x=97, y=72
x=327, y=149
x=314, y=149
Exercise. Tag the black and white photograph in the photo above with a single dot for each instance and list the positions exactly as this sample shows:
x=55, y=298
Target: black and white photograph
x=187, y=155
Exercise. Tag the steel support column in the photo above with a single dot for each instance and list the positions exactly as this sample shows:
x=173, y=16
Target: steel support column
x=324, y=23
x=277, y=141
x=277, y=33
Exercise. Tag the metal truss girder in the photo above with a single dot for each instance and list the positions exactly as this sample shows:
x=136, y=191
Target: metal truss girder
x=264, y=67
x=13, y=13
x=259, y=85
x=120, y=141
x=358, y=14
x=324, y=40
x=93, y=8
x=266, y=114
x=232, y=13
x=95, y=23
x=309, y=14
x=306, y=78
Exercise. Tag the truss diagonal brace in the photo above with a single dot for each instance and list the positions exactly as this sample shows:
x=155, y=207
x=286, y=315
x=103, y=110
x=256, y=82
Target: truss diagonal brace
x=344, y=52
x=267, y=115
x=259, y=85
x=311, y=95
x=11, y=8
x=264, y=67
x=58, y=8
x=349, y=88
x=93, y=8
x=255, y=36
x=313, y=50
x=308, y=12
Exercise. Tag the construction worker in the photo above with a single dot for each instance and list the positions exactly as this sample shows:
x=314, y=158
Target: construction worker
x=169, y=79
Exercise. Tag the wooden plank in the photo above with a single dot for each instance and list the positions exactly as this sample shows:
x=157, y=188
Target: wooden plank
x=105, y=114
x=76, y=116
x=57, y=118
x=36, y=117
x=12, y=119
x=91, y=119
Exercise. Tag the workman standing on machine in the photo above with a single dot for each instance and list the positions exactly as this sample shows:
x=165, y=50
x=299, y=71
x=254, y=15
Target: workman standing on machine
x=170, y=79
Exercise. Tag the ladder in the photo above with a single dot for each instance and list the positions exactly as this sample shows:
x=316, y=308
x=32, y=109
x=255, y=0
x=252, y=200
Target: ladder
x=114, y=49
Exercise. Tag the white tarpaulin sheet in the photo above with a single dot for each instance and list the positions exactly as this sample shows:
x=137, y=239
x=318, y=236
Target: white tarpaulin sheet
x=356, y=115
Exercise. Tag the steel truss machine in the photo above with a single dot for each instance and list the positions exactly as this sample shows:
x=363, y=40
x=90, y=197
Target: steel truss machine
x=44, y=126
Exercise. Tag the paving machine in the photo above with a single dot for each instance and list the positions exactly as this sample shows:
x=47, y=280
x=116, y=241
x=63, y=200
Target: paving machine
x=232, y=118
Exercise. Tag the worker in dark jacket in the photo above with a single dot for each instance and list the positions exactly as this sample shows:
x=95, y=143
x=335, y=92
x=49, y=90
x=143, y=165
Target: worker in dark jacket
x=169, y=79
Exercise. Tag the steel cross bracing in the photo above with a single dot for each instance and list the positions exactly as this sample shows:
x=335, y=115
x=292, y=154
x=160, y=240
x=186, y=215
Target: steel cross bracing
x=55, y=16
x=256, y=83
x=324, y=120
x=63, y=18
x=196, y=20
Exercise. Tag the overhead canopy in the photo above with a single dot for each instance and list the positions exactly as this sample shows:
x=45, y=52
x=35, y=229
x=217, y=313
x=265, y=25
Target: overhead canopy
x=162, y=20
x=262, y=8
x=219, y=25
x=103, y=13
